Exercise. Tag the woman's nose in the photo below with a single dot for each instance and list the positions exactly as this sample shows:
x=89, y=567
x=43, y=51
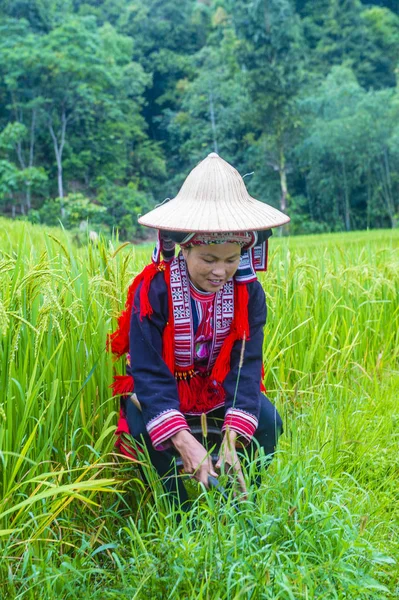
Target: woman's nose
x=219, y=270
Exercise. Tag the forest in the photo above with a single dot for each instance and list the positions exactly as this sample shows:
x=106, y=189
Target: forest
x=106, y=105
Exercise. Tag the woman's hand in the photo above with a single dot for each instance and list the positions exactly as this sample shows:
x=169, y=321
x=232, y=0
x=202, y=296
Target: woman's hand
x=228, y=458
x=196, y=460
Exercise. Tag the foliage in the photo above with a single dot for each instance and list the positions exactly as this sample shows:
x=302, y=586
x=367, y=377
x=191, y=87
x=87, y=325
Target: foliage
x=124, y=205
x=348, y=147
x=77, y=521
x=114, y=94
x=78, y=210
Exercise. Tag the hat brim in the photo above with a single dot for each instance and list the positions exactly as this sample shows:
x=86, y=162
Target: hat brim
x=180, y=215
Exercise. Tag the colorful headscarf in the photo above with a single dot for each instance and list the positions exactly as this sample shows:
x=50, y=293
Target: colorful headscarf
x=253, y=248
x=245, y=239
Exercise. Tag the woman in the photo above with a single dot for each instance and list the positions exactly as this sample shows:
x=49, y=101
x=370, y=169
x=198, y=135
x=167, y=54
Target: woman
x=193, y=330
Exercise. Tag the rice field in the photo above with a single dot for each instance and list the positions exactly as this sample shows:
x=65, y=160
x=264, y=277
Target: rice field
x=76, y=521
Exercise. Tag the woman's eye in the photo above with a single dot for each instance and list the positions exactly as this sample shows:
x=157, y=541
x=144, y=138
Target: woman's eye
x=208, y=261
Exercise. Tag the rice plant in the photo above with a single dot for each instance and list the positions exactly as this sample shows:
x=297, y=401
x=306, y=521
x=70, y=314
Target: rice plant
x=76, y=520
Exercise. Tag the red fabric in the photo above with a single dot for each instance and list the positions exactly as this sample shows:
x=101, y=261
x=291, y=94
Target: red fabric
x=123, y=446
x=241, y=422
x=168, y=340
x=122, y=384
x=119, y=340
x=239, y=328
x=200, y=394
x=165, y=425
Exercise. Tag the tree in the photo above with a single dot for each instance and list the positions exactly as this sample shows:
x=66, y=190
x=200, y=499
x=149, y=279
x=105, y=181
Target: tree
x=41, y=15
x=345, y=32
x=345, y=151
x=8, y=183
x=19, y=62
x=383, y=29
x=109, y=98
x=83, y=88
x=272, y=53
x=213, y=107
x=167, y=35
x=15, y=180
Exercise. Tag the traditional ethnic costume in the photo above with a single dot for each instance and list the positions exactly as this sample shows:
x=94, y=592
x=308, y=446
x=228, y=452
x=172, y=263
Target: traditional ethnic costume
x=191, y=352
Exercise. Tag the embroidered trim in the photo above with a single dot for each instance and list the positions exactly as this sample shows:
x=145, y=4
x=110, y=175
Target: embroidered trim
x=240, y=421
x=246, y=270
x=259, y=256
x=183, y=321
x=200, y=295
x=252, y=260
x=179, y=287
x=222, y=318
x=164, y=426
x=243, y=238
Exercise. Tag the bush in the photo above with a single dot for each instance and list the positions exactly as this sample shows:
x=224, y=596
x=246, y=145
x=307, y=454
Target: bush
x=77, y=208
x=123, y=207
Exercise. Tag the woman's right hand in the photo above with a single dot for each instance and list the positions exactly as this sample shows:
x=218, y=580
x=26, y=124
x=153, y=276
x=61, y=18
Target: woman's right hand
x=196, y=460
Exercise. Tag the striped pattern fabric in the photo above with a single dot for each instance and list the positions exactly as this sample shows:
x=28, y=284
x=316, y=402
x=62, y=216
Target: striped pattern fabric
x=243, y=238
x=259, y=256
x=223, y=317
x=203, y=308
x=183, y=320
x=179, y=286
x=164, y=426
x=242, y=422
x=246, y=269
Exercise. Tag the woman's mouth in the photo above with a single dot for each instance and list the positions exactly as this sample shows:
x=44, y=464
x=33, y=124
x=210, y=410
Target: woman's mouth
x=216, y=282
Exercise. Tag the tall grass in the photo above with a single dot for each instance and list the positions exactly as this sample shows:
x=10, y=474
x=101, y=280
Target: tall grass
x=77, y=521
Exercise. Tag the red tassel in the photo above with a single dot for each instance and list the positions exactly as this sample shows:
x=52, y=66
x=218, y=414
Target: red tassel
x=122, y=426
x=168, y=350
x=168, y=338
x=118, y=341
x=199, y=394
x=122, y=442
x=212, y=395
x=125, y=449
x=149, y=273
x=222, y=364
x=122, y=384
x=185, y=396
x=239, y=328
x=241, y=324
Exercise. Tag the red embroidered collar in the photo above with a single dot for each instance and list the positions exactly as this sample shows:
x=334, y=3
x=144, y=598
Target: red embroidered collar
x=200, y=295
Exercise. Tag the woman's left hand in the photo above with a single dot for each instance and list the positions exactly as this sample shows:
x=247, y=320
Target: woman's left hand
x=228, y=458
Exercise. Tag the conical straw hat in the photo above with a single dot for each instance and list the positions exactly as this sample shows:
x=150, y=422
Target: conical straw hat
x=214, y=198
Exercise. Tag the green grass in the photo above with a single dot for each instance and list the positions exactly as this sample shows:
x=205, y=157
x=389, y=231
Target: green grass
x=76, y=522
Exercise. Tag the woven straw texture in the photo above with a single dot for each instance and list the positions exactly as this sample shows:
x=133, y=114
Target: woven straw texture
x=214, y=198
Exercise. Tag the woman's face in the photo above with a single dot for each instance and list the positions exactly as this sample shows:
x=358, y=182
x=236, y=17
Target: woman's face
x=210, y=266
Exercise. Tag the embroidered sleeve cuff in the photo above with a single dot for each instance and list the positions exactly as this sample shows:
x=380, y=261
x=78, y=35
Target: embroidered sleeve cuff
x=240, y=421
x=162, y=427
